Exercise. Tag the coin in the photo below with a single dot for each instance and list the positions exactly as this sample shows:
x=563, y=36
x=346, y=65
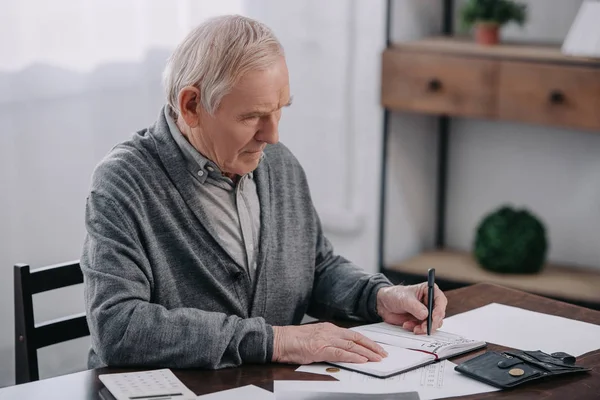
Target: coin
x=516, y=372
x=332, y=369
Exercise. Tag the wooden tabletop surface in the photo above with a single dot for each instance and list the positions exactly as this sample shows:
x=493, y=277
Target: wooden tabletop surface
x=86, y=385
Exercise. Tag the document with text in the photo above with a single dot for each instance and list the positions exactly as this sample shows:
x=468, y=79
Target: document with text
x=434, y=381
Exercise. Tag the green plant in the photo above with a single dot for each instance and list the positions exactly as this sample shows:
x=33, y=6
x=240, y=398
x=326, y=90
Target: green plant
x=511, y=241
x=498, y=12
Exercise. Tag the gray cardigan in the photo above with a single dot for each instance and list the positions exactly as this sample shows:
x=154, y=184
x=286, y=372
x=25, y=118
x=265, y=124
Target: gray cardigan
x=160, y=291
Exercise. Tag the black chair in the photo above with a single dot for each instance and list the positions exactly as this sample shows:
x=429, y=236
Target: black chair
x=29, y=337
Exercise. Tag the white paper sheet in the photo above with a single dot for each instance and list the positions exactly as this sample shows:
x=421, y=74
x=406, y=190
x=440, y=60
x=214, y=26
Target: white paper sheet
x=249, y=392
x=525, y=330
x=435, y=381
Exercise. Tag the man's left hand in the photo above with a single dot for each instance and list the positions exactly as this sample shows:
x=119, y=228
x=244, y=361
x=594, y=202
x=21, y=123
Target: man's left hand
x=407, y=306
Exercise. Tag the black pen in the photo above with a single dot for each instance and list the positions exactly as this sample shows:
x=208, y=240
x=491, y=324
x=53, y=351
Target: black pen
x=430, y=286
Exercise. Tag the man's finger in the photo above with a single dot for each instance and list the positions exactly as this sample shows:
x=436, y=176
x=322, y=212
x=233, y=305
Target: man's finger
x=437, y=318
x=410, y=325
x=439, y=300
x=398, y=319
x=420, y=329
x=354, y=347
x=363, y=341
x=337, y=354
x=413, y=306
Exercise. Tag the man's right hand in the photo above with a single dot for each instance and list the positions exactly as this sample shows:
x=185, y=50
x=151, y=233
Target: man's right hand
x=310, y=343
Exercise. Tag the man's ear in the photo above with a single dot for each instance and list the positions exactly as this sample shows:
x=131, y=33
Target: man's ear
x=189, y=100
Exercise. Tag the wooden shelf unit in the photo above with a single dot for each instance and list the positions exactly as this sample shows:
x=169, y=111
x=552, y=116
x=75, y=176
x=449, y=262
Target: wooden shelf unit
x=524, y=83
x=455, y=77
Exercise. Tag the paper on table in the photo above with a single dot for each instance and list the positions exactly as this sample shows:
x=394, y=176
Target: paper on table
x=247, y=392
x=311, y=390
x=525, y=330
x=317, y=368
x=435, y=381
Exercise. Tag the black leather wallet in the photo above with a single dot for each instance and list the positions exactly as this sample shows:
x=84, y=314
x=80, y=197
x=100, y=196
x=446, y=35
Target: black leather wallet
x=512, y=368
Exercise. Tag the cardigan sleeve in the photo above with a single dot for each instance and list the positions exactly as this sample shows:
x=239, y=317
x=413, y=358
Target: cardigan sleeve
x=341, y=288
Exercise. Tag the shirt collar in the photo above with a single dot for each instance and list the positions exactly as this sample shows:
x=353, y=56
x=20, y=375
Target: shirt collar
x=198, y=165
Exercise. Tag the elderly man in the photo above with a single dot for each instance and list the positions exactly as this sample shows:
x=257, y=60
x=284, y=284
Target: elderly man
x=203, y=247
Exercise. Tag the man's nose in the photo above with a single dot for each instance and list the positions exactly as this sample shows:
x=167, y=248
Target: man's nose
x=269, y=131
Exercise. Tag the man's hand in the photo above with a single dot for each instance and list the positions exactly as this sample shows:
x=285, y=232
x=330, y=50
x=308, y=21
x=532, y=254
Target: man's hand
x=407, y=306
x=322, y=342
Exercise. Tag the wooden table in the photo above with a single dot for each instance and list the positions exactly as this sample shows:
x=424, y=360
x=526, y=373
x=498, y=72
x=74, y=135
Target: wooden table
x=85, y=385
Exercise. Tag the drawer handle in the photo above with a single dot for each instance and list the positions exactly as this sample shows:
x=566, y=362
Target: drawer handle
x=434, y=85
x=557, y=97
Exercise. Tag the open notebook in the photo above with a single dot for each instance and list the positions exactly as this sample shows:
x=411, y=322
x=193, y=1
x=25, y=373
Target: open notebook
x=409, y=351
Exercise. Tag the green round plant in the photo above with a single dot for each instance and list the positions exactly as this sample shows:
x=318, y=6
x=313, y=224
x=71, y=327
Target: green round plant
x=511, y=241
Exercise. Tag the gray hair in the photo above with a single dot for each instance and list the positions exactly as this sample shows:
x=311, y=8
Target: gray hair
x=215, y=55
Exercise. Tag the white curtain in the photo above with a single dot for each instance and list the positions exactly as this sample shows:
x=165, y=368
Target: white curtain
x=76, y=77
x=82, y=34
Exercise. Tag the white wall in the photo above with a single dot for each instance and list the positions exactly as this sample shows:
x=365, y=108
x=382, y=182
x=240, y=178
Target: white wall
x=554, y=172
x=412, y=149
x=334, y=127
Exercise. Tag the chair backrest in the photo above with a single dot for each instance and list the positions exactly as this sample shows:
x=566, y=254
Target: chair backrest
x=29, y=336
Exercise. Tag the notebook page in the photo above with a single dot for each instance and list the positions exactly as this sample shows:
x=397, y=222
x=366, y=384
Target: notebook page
x=398, y=359
x=440, y=343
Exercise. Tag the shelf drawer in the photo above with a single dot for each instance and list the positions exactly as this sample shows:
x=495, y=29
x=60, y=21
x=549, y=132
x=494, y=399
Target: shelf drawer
x=565, y=96
x=439, y=84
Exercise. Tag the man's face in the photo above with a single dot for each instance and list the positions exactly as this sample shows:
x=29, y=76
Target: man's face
x=246, y=121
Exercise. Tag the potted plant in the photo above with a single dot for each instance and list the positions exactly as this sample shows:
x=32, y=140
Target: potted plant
x=487, y=16
x=511, y=240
